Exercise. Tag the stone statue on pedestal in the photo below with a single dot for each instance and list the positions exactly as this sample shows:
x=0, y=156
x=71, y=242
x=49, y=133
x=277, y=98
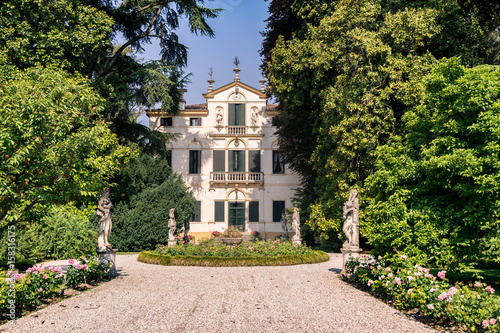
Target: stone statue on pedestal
x=296, y=225
x=284, y=225
x=351, y=223
x=104, y=207
x=172, y=224
x=350, y=249
x=105, y=251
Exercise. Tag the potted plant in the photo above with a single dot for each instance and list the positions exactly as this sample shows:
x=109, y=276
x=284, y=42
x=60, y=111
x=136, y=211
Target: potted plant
x=216, y=235
x=231, y=236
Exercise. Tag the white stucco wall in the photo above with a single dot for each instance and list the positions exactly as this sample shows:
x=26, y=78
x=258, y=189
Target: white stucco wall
x=276, y=187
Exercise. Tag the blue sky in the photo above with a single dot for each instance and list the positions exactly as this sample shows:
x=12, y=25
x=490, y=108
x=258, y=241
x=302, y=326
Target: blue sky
x=237, y=33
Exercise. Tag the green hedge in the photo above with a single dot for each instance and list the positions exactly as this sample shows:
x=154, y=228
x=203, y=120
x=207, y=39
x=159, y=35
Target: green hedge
x=157, y=259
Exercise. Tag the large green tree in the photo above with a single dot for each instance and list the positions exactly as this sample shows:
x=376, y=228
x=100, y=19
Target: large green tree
x=101, y=39
x=53, y=147
x=436, y=189
x=147, y=190
x=348, y=75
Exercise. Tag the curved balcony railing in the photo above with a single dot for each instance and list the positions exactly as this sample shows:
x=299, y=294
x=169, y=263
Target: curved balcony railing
x=236, y=177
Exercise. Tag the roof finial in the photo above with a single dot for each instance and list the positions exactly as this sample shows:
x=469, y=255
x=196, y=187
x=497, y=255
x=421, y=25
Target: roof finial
x=262, y=84
x=211, y=81
x=236, y=70
x=182, y=103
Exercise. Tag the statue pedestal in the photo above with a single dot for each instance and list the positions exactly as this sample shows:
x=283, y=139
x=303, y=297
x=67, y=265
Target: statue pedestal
x=109, y=256
x=296, y=241
x=171, y=242
x=348, y=254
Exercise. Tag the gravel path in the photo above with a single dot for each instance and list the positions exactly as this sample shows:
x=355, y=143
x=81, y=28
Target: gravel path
x=151, y=298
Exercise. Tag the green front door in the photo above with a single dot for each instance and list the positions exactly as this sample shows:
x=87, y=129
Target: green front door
x=237, y=215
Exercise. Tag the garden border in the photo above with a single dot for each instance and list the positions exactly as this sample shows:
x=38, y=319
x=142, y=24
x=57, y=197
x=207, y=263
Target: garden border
x=149, y=257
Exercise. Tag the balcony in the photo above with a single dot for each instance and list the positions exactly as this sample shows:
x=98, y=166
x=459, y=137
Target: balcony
x=232, y=178
x=242, y=131
x=236, y=130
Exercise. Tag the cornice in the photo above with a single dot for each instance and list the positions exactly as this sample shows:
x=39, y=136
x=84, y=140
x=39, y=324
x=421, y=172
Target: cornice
x=182, y=113
x=212, y=94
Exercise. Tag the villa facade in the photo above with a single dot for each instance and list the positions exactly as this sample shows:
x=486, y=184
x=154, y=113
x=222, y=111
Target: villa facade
x=228, y=156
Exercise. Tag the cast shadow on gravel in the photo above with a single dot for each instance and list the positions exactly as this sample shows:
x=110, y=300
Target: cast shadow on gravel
x=335, y=270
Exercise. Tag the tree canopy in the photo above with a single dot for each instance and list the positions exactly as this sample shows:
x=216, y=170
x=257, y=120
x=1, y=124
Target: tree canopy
x=436, y=189
x=100, y=40
x=53, y=147
x=347, y=76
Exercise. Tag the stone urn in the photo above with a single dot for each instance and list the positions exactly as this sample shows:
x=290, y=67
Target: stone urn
x=232, y=241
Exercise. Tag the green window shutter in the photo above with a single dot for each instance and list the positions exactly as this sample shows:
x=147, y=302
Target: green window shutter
x=237, y=161
x=240, y=114
x=219, y=160
x=231, y=115
x=236, y=115
x=196, y=217
x=219, y=211
x=241, y=161
x=169, y=158
x=253, y=211
x=278, y=208
x=254, y=160
x=194, y=161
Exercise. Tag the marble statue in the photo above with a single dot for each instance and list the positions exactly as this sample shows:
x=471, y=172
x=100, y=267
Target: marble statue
x=284, y=225
x=172, y=225
x=104, y=207
x=254, y=117
x=296, y=224
x=351, y=223
x=219, y=117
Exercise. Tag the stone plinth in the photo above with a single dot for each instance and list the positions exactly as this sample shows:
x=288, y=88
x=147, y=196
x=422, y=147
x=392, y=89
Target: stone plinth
x=247, y=237
x=171, y=242
x=109, y=256
x=296, y=241
x=349, y=253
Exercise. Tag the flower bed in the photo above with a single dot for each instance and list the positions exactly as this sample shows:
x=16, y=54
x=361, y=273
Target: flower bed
x=413, y=287
x=39, y=284
x=209, y=253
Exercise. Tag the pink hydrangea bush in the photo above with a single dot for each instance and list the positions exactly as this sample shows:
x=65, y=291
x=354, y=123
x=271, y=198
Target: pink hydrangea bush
x=32, y=287
x=88, y=270
x=410, y=286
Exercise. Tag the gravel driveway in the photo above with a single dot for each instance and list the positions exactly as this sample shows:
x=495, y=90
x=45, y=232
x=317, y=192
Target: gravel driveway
x=150, y=298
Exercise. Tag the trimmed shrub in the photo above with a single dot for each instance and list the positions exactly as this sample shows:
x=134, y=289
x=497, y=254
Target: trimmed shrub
x=165, y=260
x=209, y=253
